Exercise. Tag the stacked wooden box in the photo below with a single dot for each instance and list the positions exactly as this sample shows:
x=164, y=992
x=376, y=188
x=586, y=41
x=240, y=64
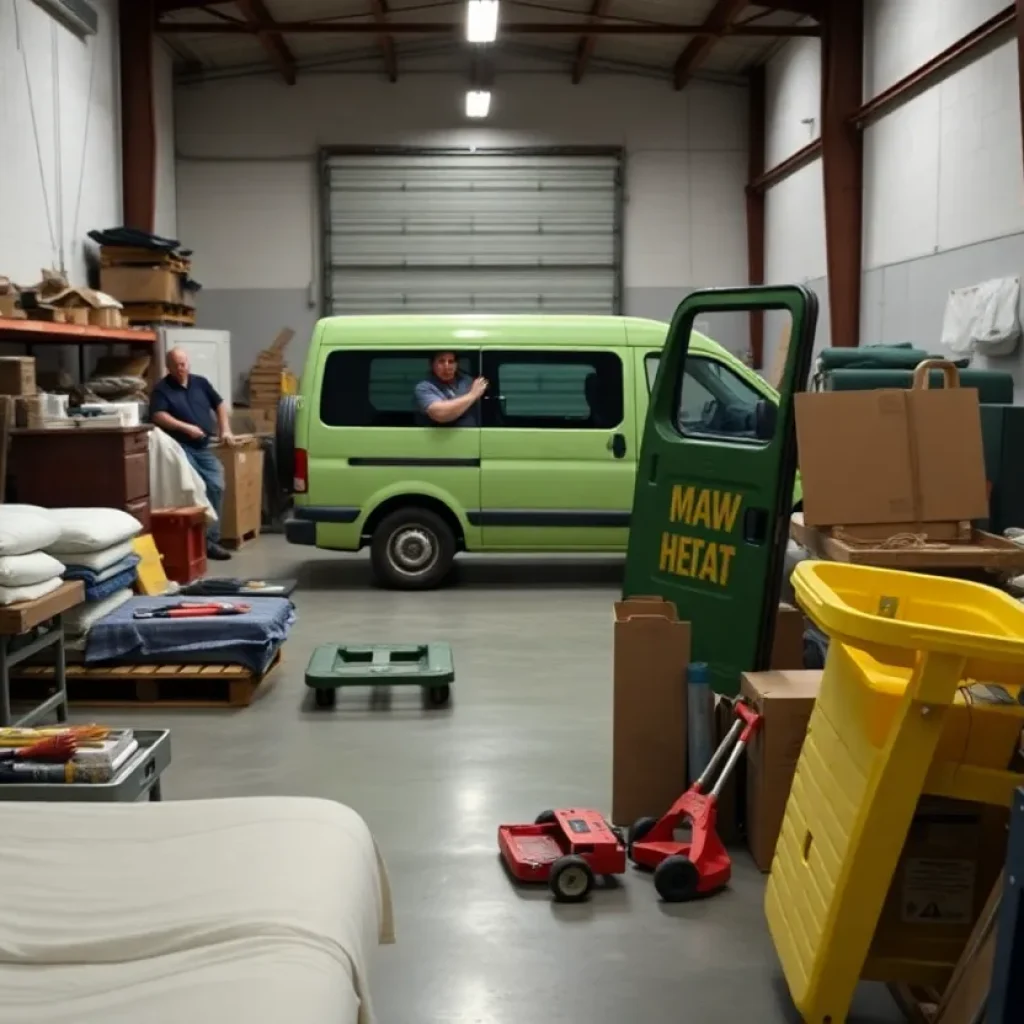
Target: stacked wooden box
x=149, y=284
x=265, y=377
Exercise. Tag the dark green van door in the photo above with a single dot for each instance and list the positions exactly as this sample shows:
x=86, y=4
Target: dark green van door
x=715, y=481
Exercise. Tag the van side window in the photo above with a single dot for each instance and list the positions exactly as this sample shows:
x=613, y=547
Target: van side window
x=567, y=390
x=375, y=388
x=715, y=401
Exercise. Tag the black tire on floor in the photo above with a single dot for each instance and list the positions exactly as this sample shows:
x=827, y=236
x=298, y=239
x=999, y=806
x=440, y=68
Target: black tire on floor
x=676, y=879
x=637, y=831
x=545, y=818
x=438, y=696
x=412, y=549
x=571, y=879
x=284, y=442
x=325, y=696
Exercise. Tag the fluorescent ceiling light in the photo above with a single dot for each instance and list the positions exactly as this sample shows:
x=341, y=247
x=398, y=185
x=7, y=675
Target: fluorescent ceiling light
x=482, y=21
x=478, y=103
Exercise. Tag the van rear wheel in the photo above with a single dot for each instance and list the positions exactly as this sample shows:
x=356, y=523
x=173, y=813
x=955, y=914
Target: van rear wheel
x=412, y=549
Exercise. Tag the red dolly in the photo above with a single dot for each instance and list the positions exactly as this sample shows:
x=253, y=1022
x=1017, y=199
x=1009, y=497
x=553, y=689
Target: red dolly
x=684, y=870
x=567, y=849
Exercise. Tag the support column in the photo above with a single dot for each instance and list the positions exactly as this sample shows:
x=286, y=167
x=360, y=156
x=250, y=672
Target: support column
x=757, y=114
x=1020, y=57
x=138, y=122
x=842, y=70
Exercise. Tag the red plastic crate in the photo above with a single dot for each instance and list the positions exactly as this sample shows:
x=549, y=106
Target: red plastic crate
x=180, y=537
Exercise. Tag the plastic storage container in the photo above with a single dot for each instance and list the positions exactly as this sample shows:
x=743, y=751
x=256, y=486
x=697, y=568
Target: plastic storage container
x=180, y=537
x=892, y=723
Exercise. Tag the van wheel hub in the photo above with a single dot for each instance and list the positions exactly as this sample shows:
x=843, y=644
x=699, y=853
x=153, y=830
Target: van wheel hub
x=413, y=549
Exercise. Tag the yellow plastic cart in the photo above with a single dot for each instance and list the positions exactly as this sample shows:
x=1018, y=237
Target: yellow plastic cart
x=892, y=723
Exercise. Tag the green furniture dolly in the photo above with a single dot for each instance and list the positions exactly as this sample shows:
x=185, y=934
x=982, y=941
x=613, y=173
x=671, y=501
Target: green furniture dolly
x=429, y=666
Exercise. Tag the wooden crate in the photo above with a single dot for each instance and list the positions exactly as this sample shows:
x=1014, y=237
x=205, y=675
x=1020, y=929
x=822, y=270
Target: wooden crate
x=159, y=313
x=164, y=686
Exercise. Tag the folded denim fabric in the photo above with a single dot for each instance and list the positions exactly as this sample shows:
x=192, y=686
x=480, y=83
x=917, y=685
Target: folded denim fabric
x=90, y=577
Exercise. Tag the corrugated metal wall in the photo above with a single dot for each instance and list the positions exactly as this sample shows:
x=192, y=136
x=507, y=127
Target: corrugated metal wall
x=461, y=232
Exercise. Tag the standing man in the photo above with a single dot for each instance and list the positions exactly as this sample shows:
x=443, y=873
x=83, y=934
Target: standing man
x=448, y=398
x=187, y=406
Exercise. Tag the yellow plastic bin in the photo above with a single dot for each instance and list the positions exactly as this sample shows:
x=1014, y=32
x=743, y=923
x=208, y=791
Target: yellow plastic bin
x=891, y=724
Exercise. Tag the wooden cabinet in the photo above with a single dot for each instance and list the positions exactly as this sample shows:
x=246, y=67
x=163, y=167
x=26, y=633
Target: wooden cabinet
x=83, y=466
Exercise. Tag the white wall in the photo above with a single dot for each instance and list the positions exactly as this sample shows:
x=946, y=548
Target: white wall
x=61, y=176
x=943, y=173
x=247, y=183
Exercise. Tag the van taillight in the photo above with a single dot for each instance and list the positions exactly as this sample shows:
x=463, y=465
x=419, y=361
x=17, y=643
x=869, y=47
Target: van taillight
x=300, y=483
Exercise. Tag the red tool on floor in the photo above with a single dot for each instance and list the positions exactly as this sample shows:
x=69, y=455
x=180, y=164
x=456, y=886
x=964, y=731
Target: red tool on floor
x=567, y=849
x=192, y=610
x=686, y=869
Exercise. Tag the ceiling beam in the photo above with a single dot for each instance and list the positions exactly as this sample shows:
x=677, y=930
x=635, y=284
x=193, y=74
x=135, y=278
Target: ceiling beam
x=457, y=28
x=258, y=20
x=585, y=47
x=719, y=18
x=384, y=39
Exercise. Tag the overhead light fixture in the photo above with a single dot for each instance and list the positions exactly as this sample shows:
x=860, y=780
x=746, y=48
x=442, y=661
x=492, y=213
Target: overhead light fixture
x=478, y=103
x=482, y=21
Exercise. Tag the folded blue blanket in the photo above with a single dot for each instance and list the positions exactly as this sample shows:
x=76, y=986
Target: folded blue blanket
x=98, y=591
x=92, y=576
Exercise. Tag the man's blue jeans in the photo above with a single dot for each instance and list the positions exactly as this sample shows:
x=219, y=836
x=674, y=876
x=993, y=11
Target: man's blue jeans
x=208, y=466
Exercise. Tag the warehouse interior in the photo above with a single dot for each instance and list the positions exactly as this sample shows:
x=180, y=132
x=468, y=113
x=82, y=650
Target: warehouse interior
x=672, y=349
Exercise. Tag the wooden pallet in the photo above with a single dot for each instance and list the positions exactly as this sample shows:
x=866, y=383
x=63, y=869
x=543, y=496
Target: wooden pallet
x=128, y=256
x=240, y=542
x=159, y=313
x=149, y=686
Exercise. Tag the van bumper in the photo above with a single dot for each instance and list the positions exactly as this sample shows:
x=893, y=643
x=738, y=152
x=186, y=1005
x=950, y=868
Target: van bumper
x=300, y=528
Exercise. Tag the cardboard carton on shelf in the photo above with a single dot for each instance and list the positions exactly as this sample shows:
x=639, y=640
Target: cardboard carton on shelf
x=17, y=375
x=10, y=300
x=136, y=284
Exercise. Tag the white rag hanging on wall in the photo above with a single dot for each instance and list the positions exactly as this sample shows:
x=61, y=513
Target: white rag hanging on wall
x=984, y=318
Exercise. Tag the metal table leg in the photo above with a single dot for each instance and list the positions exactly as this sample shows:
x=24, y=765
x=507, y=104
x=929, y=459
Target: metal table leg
x=5, y=683
x=155, y=793
x=60, y=671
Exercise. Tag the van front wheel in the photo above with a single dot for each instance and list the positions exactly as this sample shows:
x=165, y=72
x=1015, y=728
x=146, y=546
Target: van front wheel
x=412, y=549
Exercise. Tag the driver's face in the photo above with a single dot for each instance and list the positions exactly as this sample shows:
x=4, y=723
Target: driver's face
x=445, y=367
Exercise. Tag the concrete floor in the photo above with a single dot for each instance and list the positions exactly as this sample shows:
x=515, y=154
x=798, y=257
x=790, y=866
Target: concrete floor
x=529, y=728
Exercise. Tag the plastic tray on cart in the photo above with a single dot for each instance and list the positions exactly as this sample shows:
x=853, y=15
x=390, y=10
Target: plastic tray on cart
x=133, y=781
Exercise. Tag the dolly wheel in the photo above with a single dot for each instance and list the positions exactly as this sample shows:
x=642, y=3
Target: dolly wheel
x=325, y=696
x=438, y=696
x=676, y=879
x=571, y=879
x=545, y=818
x=637, y=831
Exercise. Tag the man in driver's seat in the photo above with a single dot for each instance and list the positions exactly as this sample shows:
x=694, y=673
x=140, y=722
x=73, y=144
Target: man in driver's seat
x=448, y=398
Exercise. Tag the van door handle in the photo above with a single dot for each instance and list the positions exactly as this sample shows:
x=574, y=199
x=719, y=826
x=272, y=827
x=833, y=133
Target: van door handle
x=617, y=445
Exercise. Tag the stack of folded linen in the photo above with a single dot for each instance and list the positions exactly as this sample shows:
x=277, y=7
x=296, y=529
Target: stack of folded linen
x=95, y=545
x=27, y=572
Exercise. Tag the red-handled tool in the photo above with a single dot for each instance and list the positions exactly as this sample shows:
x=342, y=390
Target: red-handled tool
x=192, y=610
x=686, y=869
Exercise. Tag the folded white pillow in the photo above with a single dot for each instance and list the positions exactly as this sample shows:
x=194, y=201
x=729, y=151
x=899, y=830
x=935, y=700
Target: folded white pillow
x=12, y=595
x=91, y=529
x=83, y=617
x=98, y=560
x=24, y=531
x=25, y=570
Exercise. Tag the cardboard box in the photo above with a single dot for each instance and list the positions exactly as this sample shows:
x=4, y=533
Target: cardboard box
x=29, y=412
x=17, y=375
x=108, y=316
x=651, y=652
x=242, y=512
x=788, y=645
x=952, y=857
x=891, y=457
x=10, y=300
x=786, y=700
x=142, y=284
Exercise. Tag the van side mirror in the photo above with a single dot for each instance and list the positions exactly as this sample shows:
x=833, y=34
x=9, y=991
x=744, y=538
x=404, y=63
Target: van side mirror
x=766, y=416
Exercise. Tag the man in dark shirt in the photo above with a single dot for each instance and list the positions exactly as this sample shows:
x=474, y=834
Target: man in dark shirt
x=448, y=398
x=188, y=408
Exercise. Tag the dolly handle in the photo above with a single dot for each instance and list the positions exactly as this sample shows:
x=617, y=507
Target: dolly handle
x=751, y=721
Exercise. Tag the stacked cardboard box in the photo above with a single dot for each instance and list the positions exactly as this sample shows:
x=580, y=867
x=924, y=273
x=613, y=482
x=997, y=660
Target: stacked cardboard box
x=242, y=510
x=150, y=284
x=265, y=378
x=10, y=300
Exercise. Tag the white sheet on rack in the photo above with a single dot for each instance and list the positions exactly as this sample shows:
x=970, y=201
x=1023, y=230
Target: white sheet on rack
x=255, y=910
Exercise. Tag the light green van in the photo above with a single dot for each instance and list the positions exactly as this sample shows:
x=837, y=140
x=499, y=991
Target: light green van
x=552, y=467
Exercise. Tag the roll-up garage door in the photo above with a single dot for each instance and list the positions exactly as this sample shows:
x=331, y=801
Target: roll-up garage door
x=509, y=232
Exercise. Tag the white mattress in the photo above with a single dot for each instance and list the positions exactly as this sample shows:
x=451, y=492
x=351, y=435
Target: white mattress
x=236, y=911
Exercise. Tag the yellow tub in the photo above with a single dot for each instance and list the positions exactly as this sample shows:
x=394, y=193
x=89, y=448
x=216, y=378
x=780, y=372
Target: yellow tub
x=893, y=722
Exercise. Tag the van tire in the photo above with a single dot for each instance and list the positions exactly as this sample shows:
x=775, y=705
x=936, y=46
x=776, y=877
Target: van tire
x=412, y=549
x=284, y=442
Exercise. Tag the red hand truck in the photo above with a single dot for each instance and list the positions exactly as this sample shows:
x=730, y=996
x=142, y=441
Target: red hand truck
x=686, y=869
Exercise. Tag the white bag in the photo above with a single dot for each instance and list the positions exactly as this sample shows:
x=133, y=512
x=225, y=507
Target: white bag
x=99, y=560
x=91, y=529
x=25, y=570
x=12, y=595
x=984, y=317
x=23, y=532
x=83, y=617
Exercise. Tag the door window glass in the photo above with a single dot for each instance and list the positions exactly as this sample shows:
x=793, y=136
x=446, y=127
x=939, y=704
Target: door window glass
x=553, y=390
x=376, y=388
x=715, y=400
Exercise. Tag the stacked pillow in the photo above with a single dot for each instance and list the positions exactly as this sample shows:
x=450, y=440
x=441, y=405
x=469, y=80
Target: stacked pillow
x=27, y=572
x=95, y=545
